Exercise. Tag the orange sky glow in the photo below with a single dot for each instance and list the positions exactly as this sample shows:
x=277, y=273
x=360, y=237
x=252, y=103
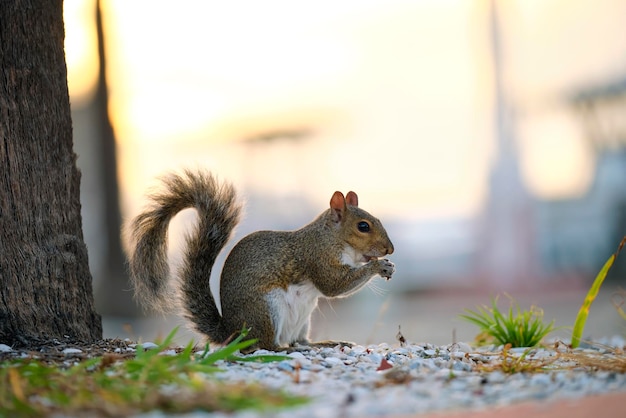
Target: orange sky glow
x=396, y=97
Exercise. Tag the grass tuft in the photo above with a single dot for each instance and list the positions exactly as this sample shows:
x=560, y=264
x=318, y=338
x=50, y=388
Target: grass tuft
x=516, y=327
x=110, y=386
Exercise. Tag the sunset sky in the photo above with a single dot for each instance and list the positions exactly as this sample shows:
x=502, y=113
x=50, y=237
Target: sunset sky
x=396, y=98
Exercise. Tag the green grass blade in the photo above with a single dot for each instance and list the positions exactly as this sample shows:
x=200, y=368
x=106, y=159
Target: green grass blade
x=520, y=328
x=260, y=358
x=583, y=313
x=224, y=353
x=480, y=320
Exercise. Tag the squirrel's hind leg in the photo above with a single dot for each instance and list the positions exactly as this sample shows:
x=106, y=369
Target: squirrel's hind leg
x=303, y=343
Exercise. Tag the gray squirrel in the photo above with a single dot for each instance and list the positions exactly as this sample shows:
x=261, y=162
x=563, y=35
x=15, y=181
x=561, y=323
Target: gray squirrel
x=271, y=280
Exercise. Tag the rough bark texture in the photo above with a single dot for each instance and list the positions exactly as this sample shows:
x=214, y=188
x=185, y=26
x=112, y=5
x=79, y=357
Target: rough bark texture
x=45, y=284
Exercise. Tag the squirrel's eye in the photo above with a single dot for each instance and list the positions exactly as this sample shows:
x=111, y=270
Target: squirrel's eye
x=363, y=226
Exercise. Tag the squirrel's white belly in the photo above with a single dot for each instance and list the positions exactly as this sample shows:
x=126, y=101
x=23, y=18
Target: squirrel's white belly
x=291, y=311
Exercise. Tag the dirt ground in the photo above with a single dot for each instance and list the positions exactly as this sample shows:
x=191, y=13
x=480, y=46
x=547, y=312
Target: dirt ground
x=606, y=406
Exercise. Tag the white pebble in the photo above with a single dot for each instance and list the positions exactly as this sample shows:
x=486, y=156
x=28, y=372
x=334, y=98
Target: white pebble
x=149, y=346
x=462, y=348
x=497, y=377
x=5, y=348
x=285, y=365
x=296, y=355
x=333, y=361
x=358, y=349
x=540, y=379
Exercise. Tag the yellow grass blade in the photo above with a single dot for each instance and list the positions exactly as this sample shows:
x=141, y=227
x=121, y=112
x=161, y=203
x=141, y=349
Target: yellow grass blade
x=583, y=313
x=16, y=385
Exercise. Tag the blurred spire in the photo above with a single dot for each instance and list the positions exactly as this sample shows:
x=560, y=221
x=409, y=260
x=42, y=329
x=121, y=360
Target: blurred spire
x=506, y=254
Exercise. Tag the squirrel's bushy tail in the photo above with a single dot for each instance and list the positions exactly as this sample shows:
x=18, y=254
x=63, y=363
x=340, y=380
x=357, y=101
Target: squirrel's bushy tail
x=218, y=214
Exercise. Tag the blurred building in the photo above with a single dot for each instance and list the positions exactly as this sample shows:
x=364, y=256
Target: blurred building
x=417, y=106
x=568, y=238
x=578, y=234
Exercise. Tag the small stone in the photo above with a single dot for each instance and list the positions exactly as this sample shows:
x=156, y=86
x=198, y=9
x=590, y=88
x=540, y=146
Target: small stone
x=72, y=351
x=540, y=379
x=296, y=355
x=402, y=351
x=460, y=366
x=327, y=351
x=462, y=348
x=285, y=366
x=496, y=377
x=332, y=361
x=541, y=354
x=358, y=349
x=149, y=346
x=5, y=348
x=375, y=358
x=316, y=367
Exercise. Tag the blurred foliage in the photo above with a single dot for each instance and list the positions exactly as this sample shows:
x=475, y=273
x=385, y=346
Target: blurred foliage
x=108, y=386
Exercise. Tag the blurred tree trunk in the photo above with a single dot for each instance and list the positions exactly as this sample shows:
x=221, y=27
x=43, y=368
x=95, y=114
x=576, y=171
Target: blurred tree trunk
x=45, y=284
x=113, y=293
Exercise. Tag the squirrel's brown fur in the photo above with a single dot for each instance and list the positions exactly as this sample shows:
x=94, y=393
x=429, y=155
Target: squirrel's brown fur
x=271, y=280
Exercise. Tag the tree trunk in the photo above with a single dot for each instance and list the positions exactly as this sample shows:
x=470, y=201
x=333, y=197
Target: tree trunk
x=114, y=291
x=45, y=284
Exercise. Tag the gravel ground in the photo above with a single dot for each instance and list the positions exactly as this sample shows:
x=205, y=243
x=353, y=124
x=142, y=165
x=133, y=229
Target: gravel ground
x=415, y=379
x=406, y=379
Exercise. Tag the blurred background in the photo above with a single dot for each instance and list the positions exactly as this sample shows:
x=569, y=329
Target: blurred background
x=488, y=136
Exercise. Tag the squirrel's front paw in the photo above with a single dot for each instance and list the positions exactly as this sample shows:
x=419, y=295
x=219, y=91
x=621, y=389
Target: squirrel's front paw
x=387, y=268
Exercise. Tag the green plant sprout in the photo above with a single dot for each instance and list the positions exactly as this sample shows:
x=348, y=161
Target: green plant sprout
x=109, y=386
x=517, y=328
x=583, y=313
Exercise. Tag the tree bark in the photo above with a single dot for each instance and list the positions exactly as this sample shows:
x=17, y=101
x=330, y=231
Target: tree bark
x=45, y=284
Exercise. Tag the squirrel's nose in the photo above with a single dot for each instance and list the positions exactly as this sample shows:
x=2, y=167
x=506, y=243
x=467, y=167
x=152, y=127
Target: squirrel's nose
x=389, y=248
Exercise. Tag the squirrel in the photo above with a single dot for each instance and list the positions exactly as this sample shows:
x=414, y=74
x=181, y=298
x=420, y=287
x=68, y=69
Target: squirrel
x=271, y=280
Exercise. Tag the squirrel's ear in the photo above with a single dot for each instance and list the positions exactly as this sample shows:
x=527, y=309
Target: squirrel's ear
x=337, y=206
x=352, y=199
